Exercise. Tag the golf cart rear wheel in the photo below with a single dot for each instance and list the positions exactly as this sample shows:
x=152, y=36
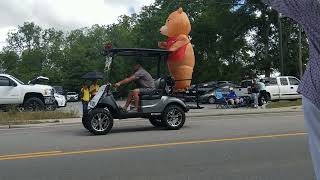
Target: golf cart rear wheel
x=156, y=121
x=99, y=122
x=173, y=117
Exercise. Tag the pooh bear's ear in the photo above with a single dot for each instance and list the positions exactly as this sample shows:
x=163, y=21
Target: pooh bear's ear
x=180, y=10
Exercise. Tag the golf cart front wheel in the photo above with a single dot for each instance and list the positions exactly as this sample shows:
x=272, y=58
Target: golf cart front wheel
x=84, y=121
x=156, y=121
x=99, y=122
x=173, y=117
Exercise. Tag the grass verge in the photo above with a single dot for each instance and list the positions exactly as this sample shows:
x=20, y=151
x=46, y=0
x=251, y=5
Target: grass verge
x=13, y=118
x=281, y=104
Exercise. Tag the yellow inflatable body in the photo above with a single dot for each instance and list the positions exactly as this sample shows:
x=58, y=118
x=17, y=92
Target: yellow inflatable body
x=181, y=59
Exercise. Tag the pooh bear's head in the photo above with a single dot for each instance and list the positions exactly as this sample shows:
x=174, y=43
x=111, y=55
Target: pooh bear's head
x=177, y=23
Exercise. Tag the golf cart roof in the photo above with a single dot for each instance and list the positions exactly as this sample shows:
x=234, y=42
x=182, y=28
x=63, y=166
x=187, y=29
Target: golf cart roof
x=136, y=52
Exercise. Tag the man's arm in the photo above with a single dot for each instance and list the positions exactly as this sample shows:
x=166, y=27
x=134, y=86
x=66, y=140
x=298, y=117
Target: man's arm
x=126, y=81
x=294, y=9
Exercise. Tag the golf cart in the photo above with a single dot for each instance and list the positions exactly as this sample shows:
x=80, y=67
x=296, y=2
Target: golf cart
x=164, y=108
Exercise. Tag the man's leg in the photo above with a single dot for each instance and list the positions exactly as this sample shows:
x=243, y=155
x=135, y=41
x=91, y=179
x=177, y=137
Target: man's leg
x=129, y=99
x=231, y=101
x=260, y=99
x=312, y=119
x=85, y=106
x=135, y=94
x=255, y=99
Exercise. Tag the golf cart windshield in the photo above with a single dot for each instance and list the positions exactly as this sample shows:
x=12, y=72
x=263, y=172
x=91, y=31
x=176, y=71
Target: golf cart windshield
x=160, y=54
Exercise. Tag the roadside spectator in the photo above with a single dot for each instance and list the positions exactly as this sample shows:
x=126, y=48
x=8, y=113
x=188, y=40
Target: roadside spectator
x=94, y=88
x=232, y=98
x=262, y=92
x=85, y=97
x=255, y=93
x=306, y=13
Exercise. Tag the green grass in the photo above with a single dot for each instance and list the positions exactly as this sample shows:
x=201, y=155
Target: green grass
x=14, y=117
x=281, y=104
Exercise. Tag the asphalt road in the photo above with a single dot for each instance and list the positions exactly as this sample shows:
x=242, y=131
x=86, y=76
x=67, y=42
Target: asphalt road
x=240, y=147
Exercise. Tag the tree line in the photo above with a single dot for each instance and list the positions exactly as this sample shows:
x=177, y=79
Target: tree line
x=233, y=40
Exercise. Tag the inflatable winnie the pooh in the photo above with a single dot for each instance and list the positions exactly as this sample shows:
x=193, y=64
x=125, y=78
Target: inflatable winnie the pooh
x=181, y=59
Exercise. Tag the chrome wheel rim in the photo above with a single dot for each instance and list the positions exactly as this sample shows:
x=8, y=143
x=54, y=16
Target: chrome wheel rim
x=211, y=100
x=100, y=122
x=174, y=117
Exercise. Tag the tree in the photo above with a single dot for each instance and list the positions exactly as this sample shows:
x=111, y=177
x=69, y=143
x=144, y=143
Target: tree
x=9, y=61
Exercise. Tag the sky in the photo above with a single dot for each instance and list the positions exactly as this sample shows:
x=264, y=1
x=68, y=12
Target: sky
x=63, y=14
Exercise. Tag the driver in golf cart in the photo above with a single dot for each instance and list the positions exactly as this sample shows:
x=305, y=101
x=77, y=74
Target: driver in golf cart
x=145, y=85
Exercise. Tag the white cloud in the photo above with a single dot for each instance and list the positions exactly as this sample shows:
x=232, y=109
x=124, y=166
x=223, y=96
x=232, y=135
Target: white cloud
x=64, y=14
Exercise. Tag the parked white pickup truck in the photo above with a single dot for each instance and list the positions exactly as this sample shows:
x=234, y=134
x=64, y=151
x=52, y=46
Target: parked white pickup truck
x=29, y=97
x=279, y=88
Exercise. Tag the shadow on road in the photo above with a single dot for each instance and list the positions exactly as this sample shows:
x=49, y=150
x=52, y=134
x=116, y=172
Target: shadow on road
x=127, y=129
x=135, y=129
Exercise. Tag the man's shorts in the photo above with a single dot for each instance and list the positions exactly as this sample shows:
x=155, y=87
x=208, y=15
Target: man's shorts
x=146, y=91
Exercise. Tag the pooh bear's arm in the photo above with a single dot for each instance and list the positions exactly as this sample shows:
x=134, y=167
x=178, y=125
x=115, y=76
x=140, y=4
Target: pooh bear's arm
x=181, y=41
x=162, y=45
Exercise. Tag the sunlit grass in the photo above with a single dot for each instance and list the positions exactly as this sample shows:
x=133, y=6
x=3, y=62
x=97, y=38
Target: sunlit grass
x=14, y=117
x=281, y=104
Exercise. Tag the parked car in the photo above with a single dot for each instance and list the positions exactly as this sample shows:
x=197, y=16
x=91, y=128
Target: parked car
x=225, y=82
x=60, y=101
x=279, y=88
x=60, y=90
x=202, y=88
x=31, y=97
x=72, y=96
x=210, y=98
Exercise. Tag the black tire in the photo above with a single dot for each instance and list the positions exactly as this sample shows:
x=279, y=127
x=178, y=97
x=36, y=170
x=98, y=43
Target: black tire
x=156, y=121
x=95, y=119
x=268, y=98
x=211, y=100
x=33, y=104
x=84, y=123
x=52, y=107
x=179, y=119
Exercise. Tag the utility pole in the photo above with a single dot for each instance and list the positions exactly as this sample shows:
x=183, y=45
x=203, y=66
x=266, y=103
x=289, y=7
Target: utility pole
x=300, y=53
x=280, y=45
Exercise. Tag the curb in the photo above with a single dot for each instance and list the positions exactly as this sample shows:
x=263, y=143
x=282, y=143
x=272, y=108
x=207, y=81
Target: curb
x=52, y=122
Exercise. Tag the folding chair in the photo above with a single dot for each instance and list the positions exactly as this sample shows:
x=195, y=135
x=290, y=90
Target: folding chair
x=221, y=101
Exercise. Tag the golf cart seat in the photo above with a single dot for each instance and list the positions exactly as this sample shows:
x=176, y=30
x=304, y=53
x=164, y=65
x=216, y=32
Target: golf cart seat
x=160, y=85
